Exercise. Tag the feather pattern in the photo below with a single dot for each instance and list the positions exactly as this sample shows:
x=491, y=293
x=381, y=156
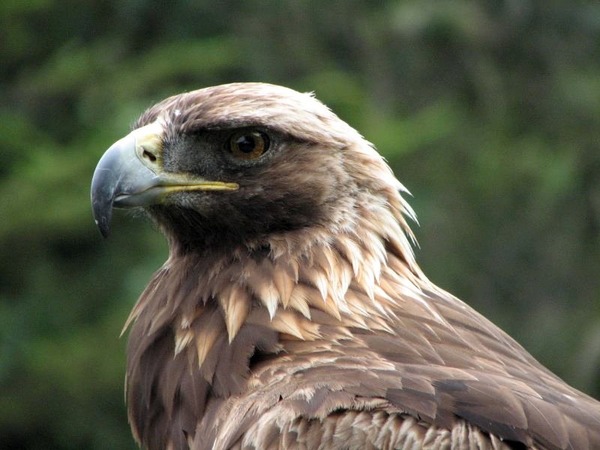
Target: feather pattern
x=324, y=332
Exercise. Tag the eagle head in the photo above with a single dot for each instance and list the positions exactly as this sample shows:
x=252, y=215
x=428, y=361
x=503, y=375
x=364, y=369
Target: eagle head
x=237, y=163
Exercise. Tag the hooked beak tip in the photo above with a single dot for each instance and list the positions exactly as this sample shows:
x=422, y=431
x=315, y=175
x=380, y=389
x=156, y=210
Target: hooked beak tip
x=104, y=228
x=102, y=217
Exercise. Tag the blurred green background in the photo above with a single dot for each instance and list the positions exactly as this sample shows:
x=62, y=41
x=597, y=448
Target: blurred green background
x=488, y=111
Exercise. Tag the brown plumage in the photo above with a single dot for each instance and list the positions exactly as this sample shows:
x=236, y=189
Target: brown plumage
x=291, y=312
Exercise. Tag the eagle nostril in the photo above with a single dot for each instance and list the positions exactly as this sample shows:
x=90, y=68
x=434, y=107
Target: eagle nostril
x=148, y=155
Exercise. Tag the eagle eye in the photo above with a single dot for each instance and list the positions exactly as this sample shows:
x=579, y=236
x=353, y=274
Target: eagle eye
x=248, y=145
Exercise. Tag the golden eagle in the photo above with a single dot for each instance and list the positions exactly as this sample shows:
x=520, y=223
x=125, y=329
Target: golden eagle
x=291, y=312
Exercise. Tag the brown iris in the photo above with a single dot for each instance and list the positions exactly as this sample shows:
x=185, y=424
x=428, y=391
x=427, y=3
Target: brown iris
x=248, y=145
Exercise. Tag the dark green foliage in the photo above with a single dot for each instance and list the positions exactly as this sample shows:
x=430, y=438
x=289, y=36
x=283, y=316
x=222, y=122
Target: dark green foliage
x=489, y=112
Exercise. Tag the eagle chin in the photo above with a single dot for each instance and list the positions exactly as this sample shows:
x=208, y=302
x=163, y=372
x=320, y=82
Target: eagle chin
x=291, y=312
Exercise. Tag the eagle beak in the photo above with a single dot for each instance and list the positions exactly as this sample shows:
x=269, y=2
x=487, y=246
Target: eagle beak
x=130, y=174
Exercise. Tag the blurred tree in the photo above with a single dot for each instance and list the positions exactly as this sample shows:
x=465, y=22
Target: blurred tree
x=488, y=111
